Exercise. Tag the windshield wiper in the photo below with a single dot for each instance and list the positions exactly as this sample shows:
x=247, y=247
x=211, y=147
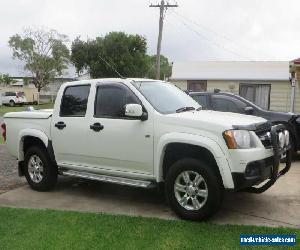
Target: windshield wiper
x=183, y=109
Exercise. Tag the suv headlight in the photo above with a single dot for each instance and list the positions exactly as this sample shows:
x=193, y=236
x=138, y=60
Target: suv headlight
x=238, y=139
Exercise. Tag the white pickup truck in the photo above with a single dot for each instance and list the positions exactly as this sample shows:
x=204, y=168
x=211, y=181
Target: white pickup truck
x=147, y=133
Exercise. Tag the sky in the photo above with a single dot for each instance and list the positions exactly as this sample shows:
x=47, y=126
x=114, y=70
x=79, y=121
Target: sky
x=197, y=30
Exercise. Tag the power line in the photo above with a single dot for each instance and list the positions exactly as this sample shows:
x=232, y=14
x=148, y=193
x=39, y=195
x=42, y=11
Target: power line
x=222, y=36
x=213, y=42
x=162, y=9
x=111, y=66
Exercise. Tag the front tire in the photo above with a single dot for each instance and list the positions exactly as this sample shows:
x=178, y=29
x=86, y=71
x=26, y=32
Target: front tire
x=193, y=189
x=41, y=175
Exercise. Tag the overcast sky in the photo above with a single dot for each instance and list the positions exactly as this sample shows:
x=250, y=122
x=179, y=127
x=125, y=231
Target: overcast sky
x=196, y=30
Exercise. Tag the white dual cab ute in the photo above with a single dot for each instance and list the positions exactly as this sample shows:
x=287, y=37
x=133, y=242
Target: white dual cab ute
x=147, y=133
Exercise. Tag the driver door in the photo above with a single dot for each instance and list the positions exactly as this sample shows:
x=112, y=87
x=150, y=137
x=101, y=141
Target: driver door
x=119, y=143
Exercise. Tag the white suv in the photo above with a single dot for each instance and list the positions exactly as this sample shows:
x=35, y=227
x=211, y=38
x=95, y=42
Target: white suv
x=13, y=98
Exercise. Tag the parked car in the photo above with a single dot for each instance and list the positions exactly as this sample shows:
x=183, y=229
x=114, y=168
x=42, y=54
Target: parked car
x=13, y=98
x=146, y=133
x=228, y=102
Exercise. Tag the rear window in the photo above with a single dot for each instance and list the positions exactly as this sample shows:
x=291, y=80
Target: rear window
x=74, y=101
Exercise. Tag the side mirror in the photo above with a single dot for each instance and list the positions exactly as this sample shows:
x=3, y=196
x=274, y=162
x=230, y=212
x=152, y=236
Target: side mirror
x=134, y=110
x=249, y=110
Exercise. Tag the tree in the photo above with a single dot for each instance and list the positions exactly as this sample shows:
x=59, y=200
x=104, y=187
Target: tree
x=115, y=52
x=6, y=80
x=165, y=67
x=44, y=53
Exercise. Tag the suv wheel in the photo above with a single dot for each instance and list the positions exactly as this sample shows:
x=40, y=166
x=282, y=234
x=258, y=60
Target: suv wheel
x=193, y=189
x=41, y=175
x=11, y=103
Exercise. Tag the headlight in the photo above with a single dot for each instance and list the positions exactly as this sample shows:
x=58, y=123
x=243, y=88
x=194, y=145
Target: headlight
x=287, y=137
x=238, y=139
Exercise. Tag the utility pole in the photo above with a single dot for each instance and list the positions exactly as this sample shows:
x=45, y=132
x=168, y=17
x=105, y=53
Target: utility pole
x=162, y=8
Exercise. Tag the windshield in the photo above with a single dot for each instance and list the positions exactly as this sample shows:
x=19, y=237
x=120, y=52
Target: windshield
x=166, y=98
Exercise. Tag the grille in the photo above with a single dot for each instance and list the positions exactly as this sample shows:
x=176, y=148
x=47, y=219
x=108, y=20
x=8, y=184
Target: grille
x=264, y=134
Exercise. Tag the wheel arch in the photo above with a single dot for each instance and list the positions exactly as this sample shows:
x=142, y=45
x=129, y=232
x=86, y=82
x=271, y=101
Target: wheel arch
x=29, y=137
x=187, y=145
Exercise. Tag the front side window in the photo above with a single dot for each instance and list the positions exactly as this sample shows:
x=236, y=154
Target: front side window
x=74, y=101
x=111, y=100
x=164, y=97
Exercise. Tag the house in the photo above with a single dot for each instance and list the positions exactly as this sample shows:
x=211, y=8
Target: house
x=266, y=83
x=47, y=94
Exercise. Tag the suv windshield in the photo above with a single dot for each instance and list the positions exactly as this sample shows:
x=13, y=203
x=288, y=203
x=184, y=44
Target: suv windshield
x=166, y=98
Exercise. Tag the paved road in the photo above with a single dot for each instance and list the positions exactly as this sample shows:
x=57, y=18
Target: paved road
x=279, y=206
x=9, y=178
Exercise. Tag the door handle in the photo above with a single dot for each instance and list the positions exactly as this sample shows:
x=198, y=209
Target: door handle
x=60, y=125
x=97, y=127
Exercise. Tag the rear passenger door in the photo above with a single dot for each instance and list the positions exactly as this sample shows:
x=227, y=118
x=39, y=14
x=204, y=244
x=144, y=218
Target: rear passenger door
x=69, y=126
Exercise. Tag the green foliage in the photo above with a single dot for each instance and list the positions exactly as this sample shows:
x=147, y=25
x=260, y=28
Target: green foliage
x=26, y=81
x=116, y=50
x=44, y=53
x=6, y=79
x=165, y=67
x=46, y=229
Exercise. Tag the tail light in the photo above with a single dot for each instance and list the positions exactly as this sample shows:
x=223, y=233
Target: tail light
x=3, y=126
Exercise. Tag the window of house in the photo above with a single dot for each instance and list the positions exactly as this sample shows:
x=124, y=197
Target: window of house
x=111, y=100
x=196, y=85
x=256, y=93
x=74, y=100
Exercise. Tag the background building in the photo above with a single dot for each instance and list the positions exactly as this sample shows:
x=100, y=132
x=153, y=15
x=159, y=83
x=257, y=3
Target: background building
x=265, y=83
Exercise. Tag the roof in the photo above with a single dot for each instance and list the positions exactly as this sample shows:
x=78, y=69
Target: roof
x=296, y=61
x=110, y=80
x=231, y=70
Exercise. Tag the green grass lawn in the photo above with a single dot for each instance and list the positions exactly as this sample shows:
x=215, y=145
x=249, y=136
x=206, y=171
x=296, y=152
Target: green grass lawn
x=6, y=109
x=1, y=138
x=47, y=229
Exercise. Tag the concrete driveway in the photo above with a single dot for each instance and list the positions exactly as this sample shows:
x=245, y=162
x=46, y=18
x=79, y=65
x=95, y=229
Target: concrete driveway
x=279, y=206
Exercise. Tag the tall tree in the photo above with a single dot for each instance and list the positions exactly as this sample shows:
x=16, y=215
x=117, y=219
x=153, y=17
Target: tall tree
x=165, y=67
x=114, y=53
x=44, y=53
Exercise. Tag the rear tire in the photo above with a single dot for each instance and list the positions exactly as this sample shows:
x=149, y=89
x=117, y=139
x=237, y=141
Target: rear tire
x=12, y=103
x=189, y=201
x=40, y=173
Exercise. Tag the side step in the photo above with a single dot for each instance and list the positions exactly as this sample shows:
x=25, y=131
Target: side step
x=110, y=179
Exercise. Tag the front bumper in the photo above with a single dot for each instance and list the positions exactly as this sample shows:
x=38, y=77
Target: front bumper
x=259, y=171
x=256, y=172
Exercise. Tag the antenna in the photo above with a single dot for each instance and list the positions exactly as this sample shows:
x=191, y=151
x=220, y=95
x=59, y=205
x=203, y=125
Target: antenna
x=112, y=67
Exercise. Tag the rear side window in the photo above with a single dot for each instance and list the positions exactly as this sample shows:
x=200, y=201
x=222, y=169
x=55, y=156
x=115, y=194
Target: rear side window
x=227, y=104
x=111, y=100
x=10, y=94
x=202, y=100
x=74, y=101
